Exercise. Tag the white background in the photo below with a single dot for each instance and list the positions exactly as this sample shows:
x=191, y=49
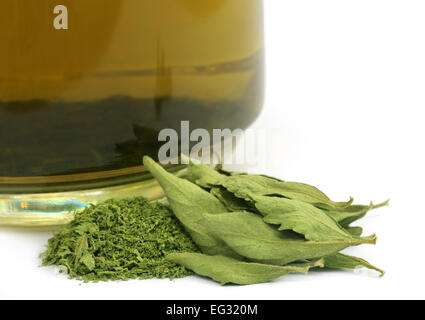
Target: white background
x=345, y=97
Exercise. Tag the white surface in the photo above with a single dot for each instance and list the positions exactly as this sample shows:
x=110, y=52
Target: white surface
x=345, y=94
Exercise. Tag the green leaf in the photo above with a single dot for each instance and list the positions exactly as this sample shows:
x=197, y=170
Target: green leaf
x=231, y=202
x=225, y=172
x=346, y=216
x=80, y=249
x=248, y=235
x=203, y=175
x=88, y=261
x=207, y=177
x=355, y=231
x=227, y=270
x=342, y=261
x=248, y=186
x=189, y=202
x=301, y=217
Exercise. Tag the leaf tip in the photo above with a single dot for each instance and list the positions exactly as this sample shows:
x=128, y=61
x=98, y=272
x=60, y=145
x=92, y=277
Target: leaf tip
x=380, y=205
x=171, y=257
x=349, y=202
x=148, y=161
x=344, y=204
x=371, y=239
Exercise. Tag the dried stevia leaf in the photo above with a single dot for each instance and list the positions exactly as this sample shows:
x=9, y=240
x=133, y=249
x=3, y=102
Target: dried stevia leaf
x=88, y=261
x=342, y=261
x=248, y=186
x=355, y=231
x=247, y=234
x=220, y=169
x=231, y=202
x=189, y=202
x=301, y=217
x=82, y=246
x=227, y=270
x=203, y=175
x=206, y=177
x=346, y=216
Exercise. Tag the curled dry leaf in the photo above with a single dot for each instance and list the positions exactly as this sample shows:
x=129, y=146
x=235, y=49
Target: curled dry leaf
x=342, y=261
x=301, y=217
x=227, y=270
x=248, y=235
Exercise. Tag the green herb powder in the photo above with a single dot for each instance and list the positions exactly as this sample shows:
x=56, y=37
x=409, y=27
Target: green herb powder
x=120, y=240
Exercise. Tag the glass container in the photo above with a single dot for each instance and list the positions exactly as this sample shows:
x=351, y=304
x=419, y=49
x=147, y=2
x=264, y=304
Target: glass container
x=85, y=87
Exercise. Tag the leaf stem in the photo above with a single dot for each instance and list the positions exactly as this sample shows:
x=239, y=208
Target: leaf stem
x=380, y=205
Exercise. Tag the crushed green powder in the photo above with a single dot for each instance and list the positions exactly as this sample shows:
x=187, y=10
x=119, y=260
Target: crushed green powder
x=120, y=240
